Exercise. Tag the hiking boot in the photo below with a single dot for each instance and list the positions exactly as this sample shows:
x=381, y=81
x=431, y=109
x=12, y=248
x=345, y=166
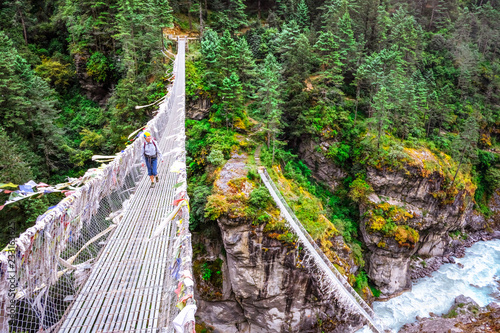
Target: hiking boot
x=152, y=184
x=157, y=178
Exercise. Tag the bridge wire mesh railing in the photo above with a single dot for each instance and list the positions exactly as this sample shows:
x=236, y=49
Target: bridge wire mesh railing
x=178, y=304
x=331, y=283
x=43, y=269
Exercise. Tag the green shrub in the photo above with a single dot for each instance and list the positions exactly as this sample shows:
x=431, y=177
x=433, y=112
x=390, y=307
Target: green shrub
x=260, y=197
x=252, y=174
x=198, y=201
x=357, y=252
x=339, y=152
x=375, y=291
x=216, y=206
x=361, y=281
x=206, y=272
x=98, y=67
x=452, y=314
x=216, y=157
x=359, y=189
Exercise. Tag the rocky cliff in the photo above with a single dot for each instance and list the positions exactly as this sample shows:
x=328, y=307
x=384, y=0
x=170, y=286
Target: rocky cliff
x=404, y=216
x=314, y=156
x=409, y=210
x=198, y=109
x=98, y=92
x=264, y=288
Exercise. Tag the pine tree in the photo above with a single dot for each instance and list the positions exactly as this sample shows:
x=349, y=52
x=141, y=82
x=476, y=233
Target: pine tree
x=230, y=94
x=139, y=26
x=330, y=64
x=285, y=9
x=381, y=115
x=348, y=48
x=404, y=31
x=209, y=51
x=269, y=100
x=332, y=11
x=227, y=58
x=234, y=16
x=367, y=22
x=13, y=104
x=27, y=108
x=288, y=37
x=302, y=16
x=163, y=14
x=466, y=142
x=91, y=25
x=17, y=21
x=384, y=68
x=13, y=164
x=245, y=67
x=297, y=65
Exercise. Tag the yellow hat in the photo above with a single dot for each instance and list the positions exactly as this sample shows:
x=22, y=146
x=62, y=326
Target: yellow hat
x=146, y=134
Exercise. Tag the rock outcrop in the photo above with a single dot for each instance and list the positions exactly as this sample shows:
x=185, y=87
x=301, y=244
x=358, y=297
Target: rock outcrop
x=265, y=289
x=323, y=169
x=428, y=215
x=98, y=92
x=410, y=213
x=198, y=109
x=465, y=316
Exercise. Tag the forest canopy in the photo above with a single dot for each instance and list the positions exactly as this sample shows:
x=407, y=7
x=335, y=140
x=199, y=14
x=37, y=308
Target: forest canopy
x=373, y=76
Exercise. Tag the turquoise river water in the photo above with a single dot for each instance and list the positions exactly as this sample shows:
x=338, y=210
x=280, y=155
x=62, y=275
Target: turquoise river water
x=479, y=279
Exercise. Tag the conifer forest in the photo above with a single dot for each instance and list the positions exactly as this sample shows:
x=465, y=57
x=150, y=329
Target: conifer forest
x=362, y=86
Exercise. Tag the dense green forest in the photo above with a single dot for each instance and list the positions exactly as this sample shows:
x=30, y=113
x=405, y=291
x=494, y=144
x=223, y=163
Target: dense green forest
x=71, y=74
x=375, y=77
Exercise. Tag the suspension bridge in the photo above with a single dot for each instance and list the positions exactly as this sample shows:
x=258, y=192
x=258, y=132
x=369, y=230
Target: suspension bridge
x=115, y=255
x=331, y=282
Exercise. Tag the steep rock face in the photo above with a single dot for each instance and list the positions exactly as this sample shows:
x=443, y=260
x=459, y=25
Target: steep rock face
x=313, y=155
x=268, y=293
x=198, y=109
x=96, y=91
x=428, y=214
x=478, y=222
x=265, y=289
x=417, y=192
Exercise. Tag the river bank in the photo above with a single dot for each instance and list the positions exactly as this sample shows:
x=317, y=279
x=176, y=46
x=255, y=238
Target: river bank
x=421, y=267
x=475, y=275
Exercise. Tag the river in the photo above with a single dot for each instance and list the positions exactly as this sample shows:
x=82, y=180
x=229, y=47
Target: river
x=478, y=279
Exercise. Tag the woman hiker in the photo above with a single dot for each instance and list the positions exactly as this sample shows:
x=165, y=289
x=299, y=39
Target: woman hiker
x=150, y=155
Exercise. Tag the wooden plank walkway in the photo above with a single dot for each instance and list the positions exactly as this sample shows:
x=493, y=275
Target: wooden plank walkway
x=124, y=290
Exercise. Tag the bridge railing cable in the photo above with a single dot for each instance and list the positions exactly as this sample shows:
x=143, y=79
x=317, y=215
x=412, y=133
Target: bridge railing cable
x=332, y=283
x=180, y=273
x=43, y=269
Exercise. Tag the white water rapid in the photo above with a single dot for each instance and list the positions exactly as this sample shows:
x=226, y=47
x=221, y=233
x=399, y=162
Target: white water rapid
x=478, y=279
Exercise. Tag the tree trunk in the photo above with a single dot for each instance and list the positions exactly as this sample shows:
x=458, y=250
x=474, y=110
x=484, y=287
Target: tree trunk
x=357, y=102
x=429, y=123
x=379, y=134
x=24, y=26
x=201, y=22
x=274, y=146
x=189, y=15
x=432, y=14
x=458, y=168
x=258, y=9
